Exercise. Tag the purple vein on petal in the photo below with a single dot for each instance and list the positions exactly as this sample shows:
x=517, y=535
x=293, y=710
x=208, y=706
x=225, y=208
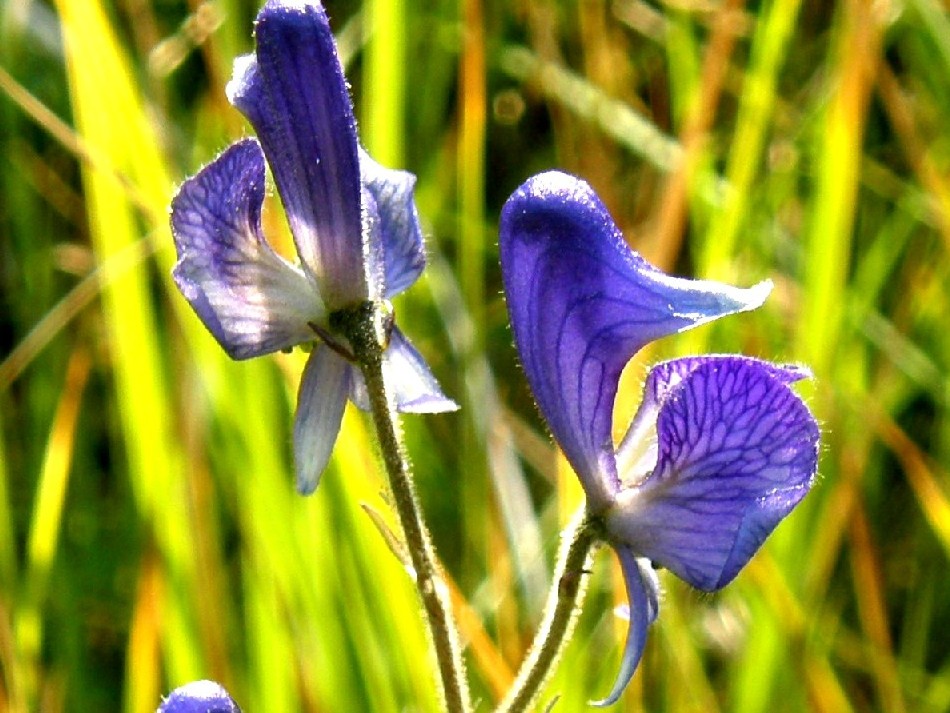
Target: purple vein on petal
x=737, y=450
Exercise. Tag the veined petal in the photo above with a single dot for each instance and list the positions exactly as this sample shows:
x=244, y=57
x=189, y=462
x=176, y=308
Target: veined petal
x=295, y=95
x=637, y=452
x=737, y=450
x=199, y=697
x=400, y=235
x=643, y=593
x=252, y=300
x=582, y=303
x=320, y=403
x=415, y=389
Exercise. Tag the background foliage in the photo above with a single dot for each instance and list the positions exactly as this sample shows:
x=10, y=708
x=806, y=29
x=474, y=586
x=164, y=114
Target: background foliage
x=149, y=532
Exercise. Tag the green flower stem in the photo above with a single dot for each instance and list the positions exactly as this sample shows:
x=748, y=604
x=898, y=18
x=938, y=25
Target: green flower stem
x=367, y=327
x=563, y=606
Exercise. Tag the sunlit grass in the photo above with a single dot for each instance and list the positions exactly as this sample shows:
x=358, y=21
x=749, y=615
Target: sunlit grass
x=149, y=532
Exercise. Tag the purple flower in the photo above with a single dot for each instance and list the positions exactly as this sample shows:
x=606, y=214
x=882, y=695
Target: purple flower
x=199, y=697
x=354, y=224
x=720, y=450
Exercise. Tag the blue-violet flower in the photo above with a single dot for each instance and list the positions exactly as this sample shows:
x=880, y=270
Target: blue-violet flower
x=720, y=450
x=354, y=225
x=199, y=697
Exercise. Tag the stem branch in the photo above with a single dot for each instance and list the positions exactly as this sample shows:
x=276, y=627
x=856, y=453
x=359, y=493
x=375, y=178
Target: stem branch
x=560, y=614
x=367, y=327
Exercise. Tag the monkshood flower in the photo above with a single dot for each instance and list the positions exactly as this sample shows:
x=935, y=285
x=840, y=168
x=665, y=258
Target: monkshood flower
x=354, y=225
x=720, y=449
x=199, y=697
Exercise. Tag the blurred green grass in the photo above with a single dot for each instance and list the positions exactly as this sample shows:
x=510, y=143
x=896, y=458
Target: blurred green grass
x=149, y=533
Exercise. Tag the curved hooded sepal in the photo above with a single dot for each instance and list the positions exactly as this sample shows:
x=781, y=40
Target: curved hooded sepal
x=643, y=597
x=199, y=697
x=253, y=301
x=321, y=400
x=582, y=303
x=396, y=224
x=295, y=95
x=737, y=449
x=415, y=389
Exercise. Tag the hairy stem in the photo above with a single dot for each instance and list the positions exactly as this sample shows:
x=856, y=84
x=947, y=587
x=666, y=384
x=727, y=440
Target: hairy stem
x=367, y=328
x=563, y=606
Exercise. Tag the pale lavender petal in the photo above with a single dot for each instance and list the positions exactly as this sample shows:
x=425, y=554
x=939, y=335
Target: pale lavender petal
x=320, y=403
x=737, y=450
x=251, y=299
x=643, y=592
x=415, y=389
x=400, y=234
x=199, y=697
x=295, y=95
x=581, y=304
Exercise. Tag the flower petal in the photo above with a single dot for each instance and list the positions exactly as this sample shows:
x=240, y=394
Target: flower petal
x=320, y=403
x=415, y=389
x=737, y=450
x=581, y=304
x=295, y=95
x=252, y=300
x=643, y=593
x=637, y=452
x=199, y=697
x=398, y=222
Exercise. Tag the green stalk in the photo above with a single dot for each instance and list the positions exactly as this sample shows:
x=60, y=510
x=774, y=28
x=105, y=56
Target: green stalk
x=563, y=606
x=367, y=327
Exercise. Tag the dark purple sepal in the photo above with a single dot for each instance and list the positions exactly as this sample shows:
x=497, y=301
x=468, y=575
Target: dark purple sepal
x=199, y=697
x=737, y=449
x=295, y=95
x=252, y=300
x=582, y=303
